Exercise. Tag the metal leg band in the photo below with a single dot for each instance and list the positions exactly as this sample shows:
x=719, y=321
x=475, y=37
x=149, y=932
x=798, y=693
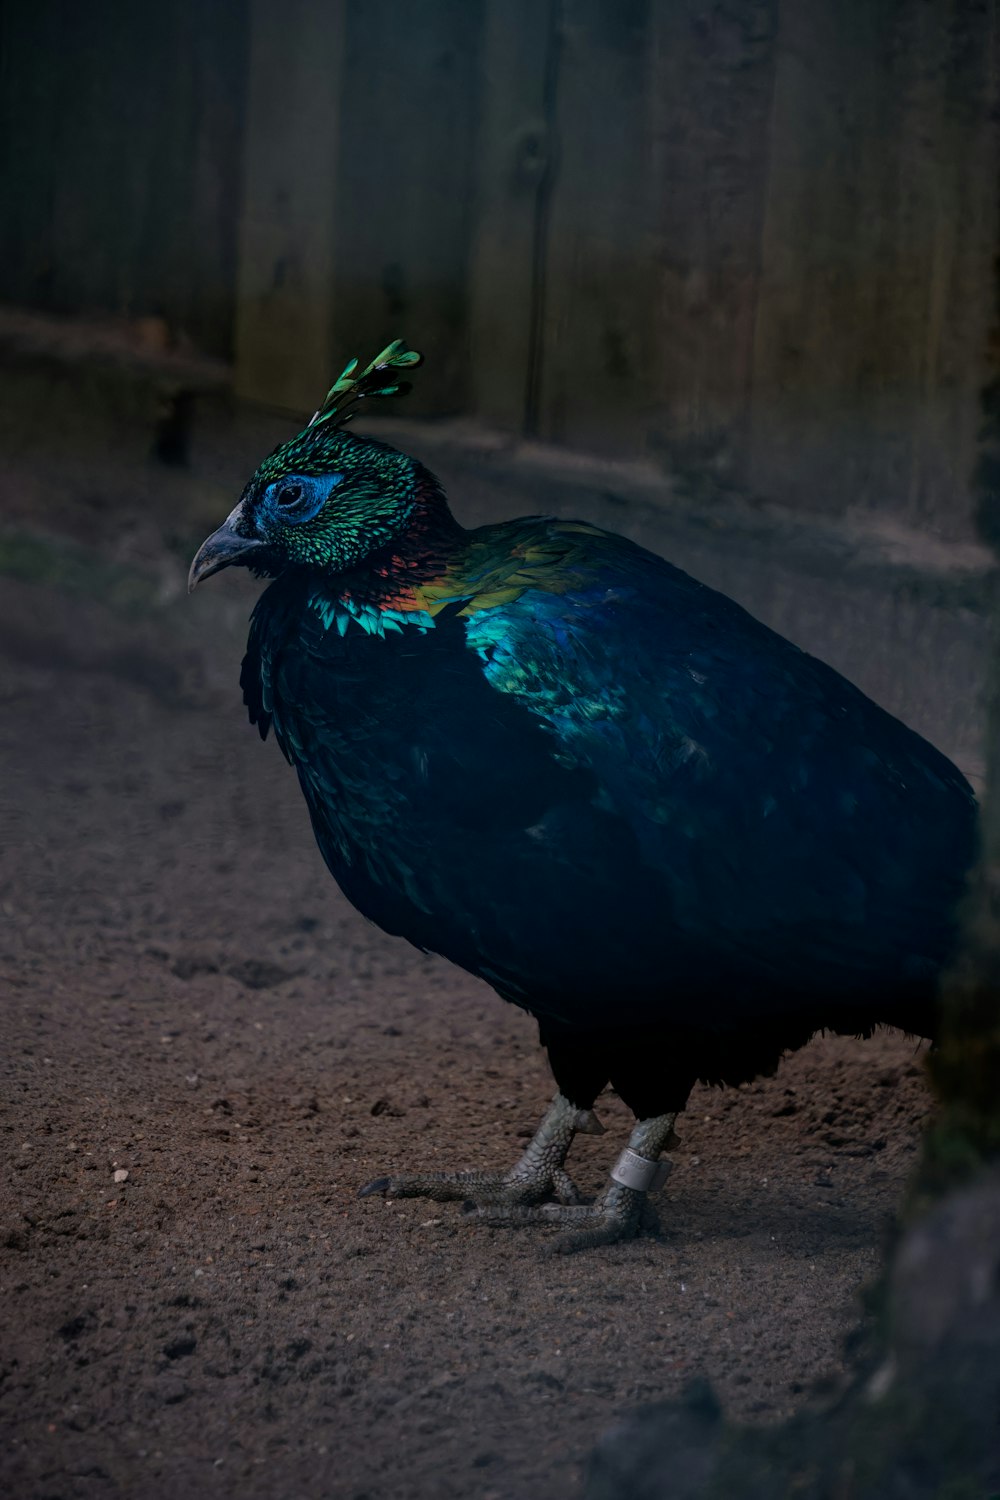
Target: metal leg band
x=638, y=1172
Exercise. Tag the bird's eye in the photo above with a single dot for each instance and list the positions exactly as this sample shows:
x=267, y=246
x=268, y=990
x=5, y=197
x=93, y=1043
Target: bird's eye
x=300, y=497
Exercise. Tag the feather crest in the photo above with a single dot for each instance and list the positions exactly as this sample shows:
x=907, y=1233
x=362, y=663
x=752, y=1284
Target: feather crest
x=349, y=389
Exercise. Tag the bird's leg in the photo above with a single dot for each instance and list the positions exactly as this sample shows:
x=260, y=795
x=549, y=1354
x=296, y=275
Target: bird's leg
x=538, y=1174
x=617, y=1213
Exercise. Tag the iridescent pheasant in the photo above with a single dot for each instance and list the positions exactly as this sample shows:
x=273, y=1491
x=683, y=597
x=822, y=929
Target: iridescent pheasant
x=677, y=840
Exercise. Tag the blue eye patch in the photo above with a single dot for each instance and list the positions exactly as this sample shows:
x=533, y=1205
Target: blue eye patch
x=299, y=497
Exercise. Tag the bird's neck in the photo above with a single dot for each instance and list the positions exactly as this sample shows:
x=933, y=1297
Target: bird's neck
x=395, y=577
x=432, y=534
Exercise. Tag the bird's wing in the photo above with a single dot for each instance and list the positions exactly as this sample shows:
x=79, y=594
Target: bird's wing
x=801, y=833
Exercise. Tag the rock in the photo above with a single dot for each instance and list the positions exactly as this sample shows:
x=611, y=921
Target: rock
x=171, y=1389
x=14, y=1235
x=920, y=1425
x=669, y=1450
x=385, y=1107
x=945, y=1284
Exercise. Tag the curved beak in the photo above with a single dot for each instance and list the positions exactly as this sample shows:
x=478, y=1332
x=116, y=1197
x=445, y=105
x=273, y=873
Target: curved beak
x=223, y=548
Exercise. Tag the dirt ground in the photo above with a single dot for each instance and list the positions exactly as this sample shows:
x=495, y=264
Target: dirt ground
x=189, y=1001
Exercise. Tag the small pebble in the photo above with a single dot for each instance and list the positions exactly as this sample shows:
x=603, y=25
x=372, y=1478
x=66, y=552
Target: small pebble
x=121, y=1174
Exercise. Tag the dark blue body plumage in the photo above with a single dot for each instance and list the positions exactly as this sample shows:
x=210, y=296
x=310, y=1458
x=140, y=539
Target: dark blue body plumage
x=681, y=842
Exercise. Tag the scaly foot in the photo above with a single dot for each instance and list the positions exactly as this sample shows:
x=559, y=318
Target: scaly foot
x=539, y=1174
x=617, y=1214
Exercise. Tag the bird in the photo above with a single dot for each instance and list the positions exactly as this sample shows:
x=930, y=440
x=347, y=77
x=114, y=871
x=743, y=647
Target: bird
x=678, y=841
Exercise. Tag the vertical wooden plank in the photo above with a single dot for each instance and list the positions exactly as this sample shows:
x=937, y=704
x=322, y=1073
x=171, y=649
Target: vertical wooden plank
x=599, y=341
x=406, y=186
x=818, y=345
x=285, y=272
x=712, y=92
x=119, y=149
x=199, y=240
x=514, y=168
x=946, y=169
x=876, y=249
x=663, y=112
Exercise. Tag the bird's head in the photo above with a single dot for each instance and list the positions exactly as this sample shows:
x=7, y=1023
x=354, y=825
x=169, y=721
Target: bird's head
x=327, y=498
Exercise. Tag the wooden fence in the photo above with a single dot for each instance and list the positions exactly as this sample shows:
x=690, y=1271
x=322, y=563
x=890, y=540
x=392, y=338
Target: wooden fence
x=750, y=241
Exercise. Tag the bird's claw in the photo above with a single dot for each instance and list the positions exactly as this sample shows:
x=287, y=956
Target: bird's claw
x=612, y=1218
x=377, y=1185
x=500, y=1191
x=518, y=1197
x=538, y=1173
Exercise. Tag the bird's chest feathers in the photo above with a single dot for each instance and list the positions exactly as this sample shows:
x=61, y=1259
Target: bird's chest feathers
x=364, y=713
x=407, y=751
